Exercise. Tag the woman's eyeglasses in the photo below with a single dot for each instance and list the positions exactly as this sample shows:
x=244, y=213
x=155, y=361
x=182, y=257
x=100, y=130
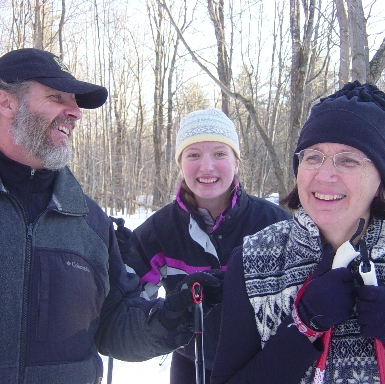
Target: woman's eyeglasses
x=344, y=161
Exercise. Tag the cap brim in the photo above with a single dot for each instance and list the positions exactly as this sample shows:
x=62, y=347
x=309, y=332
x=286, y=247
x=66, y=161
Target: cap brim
x=87, y=95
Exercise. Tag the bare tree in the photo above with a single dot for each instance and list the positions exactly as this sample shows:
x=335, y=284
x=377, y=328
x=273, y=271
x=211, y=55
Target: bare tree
x=343, y=21
x=300, y=59
x=38, y=27
x=215, y=9
x=244, y=100
x=358, y=41
x=61, y=27
x=354, y=51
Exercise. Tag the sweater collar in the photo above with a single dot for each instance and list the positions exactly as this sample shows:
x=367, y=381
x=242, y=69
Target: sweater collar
x=374, y=236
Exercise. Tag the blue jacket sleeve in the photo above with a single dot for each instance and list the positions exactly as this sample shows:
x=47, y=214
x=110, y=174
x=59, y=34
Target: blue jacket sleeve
x=240, y=358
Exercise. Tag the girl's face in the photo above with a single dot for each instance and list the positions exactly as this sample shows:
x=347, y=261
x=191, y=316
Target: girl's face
x=336, y=200
x=209, y=168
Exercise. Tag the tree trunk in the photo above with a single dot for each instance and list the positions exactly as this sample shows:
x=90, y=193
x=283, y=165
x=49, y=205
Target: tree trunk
x=217, y=18
x=343, y=21
x=358, y=41
x=301, y=50
x=158, y=107
x=61, y=27
x=377, y=64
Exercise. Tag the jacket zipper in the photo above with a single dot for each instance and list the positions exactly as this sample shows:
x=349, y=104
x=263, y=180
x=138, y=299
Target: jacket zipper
x=23, y=333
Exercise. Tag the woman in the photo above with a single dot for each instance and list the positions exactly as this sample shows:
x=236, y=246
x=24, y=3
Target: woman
x=197, y=232
x=293, y=311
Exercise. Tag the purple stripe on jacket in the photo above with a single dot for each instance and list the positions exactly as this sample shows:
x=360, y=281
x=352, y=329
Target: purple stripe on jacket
x=160, y=260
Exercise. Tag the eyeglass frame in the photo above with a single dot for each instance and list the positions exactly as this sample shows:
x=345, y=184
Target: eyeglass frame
x=363, y=160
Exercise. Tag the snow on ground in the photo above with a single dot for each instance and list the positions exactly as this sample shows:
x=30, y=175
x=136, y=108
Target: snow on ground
x=156, y=370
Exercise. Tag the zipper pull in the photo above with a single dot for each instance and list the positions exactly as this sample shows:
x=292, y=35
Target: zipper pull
x=29, y=232
x=32, y=173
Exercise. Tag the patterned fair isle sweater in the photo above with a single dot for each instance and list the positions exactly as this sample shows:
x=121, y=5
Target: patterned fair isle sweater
x=277, y=261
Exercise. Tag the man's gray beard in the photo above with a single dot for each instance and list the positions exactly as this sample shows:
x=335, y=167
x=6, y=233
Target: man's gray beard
x=32, y=132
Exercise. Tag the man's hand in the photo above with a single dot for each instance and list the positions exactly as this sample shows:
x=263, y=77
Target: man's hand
x=176, y=312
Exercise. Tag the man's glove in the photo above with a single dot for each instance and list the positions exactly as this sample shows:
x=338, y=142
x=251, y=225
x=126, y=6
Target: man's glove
x=371, y=311
x=329, y=298
x=123, y=235
x=176, y=312
x=212, y=293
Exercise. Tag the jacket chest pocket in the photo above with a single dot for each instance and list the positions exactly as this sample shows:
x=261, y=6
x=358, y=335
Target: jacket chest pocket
x=69, y=297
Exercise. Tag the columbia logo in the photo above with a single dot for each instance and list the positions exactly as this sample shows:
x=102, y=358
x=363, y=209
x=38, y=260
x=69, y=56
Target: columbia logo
x=76, y=265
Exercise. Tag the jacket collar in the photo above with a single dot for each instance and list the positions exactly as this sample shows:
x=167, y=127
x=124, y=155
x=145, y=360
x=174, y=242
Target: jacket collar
x=236, y=207
x=67, y=194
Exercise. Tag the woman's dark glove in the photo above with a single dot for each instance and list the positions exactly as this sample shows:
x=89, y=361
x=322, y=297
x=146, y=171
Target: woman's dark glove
x=371, y=311
x=329, y=298
x=176, y=307
x=123, y=236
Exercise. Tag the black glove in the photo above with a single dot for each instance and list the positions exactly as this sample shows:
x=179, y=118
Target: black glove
x=212, y=294
x=371, y=311
x=123, y=235
x=329, y=298
x=176, y=312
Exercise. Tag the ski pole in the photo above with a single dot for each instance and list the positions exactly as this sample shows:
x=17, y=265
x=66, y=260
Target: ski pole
x=348, y=251
x=197, y=294
x=344, y=255
x=368, y=274
x=110, y=368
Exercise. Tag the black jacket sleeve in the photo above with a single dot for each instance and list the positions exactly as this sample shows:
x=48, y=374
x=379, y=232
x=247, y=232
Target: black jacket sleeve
x=240, y=357
x=129, y=327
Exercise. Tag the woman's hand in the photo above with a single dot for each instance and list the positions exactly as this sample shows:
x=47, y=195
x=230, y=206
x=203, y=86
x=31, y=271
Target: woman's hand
x=371, y=311
x=329, y=298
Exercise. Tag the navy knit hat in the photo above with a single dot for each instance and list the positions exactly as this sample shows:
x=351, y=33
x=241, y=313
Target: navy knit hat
x=49, y=70
x=355, y=116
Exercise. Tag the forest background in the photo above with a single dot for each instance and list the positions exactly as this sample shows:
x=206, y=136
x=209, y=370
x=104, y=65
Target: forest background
x=263, y=62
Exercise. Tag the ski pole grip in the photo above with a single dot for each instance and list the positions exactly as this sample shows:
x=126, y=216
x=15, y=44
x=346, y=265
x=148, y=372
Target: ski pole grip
x=344, y=255
x=197, y=293
x=369, y=274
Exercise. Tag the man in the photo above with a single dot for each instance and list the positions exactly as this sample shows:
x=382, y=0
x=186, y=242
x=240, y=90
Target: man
x=64, y=291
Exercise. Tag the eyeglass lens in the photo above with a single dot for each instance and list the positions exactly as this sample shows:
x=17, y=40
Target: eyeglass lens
x=344, y=161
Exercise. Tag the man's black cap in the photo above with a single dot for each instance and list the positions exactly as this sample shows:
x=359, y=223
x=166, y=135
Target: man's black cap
x=49, y=70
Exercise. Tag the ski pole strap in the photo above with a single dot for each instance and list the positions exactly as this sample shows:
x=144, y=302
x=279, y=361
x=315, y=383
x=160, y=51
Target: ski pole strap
x=326, y=340
x=321, y=361
x=302, y=327
x=380, y=354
